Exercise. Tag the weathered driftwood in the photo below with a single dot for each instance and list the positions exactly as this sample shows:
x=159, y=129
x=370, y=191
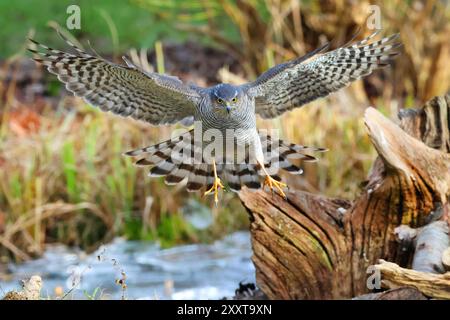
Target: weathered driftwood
x=429, y=242
x=313, y=247
x=430, y=284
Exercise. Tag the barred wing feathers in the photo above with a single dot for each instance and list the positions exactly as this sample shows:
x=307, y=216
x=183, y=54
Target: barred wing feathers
x=121, y=89
x=295, y=83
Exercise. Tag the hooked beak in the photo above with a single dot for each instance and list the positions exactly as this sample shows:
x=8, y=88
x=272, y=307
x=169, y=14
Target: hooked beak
x=228, y=107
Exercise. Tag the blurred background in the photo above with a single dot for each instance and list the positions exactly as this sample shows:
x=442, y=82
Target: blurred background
x=66, y=189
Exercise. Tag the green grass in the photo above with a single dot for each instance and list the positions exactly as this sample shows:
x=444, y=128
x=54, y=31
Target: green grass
x=70, y=171
x=135, y=26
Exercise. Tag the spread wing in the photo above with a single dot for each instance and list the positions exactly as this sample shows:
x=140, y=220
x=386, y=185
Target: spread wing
x=121, y=89
x=294, y=83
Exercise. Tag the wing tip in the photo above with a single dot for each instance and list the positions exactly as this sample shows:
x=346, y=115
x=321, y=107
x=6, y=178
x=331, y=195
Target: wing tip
x=132, y=153
x=33, y=41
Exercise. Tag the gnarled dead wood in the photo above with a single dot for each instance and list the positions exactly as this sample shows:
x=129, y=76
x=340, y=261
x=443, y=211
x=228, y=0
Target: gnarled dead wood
x=430, y=244
x=432, y=285
x=313, y=247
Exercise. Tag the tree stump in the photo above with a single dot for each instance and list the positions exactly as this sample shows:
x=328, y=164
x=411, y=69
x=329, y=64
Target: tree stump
x=314, y=247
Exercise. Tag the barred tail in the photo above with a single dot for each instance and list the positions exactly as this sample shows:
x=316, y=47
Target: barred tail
x=244, y=174
x=166, y=160
x=278, y=154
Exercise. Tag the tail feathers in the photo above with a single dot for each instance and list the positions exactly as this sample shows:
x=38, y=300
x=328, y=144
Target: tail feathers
x=178, y=174
x=163, y=168
x=183, y=140
x=296, y=151
x=201, y=176
x=279, y=151
x=249, y=176
x=166, y=161
x=193, y=183
x=282, y=163
x=231, y=176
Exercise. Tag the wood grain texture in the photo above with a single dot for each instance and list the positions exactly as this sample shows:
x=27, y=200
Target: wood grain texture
x=315, y=247
x=432, y=285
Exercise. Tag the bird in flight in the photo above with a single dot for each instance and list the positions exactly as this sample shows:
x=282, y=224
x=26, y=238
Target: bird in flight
x=225, y=145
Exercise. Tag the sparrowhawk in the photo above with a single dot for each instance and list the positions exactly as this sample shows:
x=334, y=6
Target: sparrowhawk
x=158, y=99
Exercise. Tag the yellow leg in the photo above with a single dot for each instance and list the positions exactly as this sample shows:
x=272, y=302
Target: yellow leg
x=216, y=185
x=273, y=184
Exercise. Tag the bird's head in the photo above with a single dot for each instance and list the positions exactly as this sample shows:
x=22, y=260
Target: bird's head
x=226, y=97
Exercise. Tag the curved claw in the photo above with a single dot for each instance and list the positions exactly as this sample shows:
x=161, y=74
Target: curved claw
x=215, y=188
x=274, y=184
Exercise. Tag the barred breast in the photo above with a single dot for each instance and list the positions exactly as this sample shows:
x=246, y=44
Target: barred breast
x=236, y=130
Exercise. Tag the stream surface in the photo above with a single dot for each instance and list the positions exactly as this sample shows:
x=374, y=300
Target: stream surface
x=198, y=271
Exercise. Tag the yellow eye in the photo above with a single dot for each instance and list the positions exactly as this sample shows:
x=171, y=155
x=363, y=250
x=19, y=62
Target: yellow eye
x=234, y=99
x=219, y=100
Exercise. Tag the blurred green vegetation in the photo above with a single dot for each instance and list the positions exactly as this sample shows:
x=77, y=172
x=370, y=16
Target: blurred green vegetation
x=128, y=23
x=21, y=16
x=62, y=175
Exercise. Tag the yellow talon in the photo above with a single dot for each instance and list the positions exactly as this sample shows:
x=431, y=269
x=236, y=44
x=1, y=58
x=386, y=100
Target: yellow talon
x=216, y=185
x=274, y=184
x=215, y=188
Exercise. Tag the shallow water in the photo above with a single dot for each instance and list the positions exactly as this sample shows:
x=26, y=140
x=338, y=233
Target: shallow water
x=184, y=272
